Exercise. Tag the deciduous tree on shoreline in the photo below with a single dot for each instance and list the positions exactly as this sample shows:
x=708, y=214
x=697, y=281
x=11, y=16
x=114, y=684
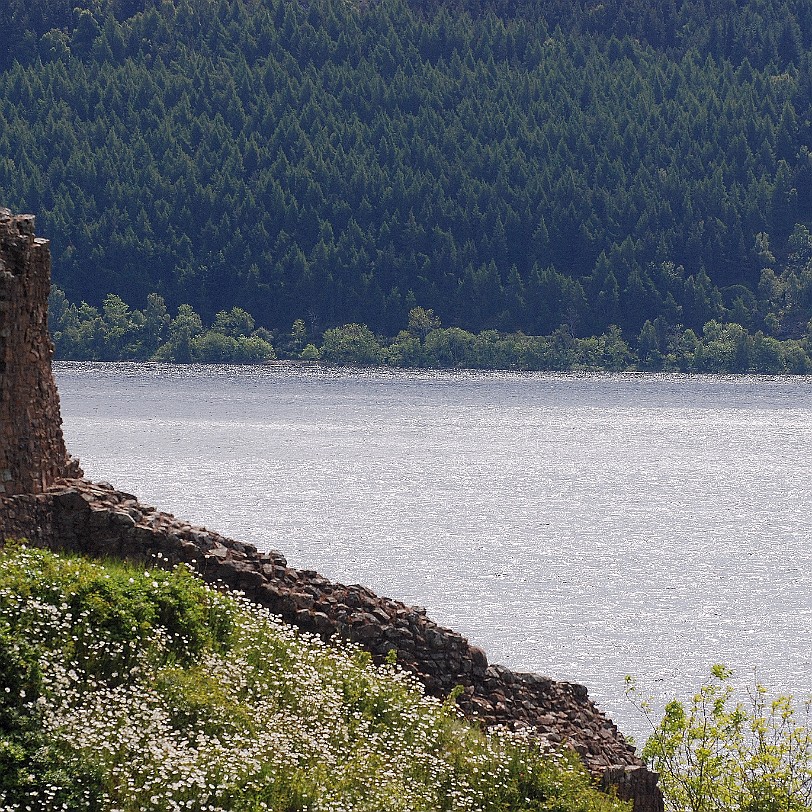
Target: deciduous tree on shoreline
x=720, y=754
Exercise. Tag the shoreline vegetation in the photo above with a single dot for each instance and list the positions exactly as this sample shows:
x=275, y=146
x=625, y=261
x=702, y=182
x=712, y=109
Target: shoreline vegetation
x=117, y=332
x=126, y=688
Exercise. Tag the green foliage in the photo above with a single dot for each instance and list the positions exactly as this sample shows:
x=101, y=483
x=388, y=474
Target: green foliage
x=517, y=167
x=422, y=322
x=234, y=323
x=723, y=755
x=119, y=333
x=143, y=691
x=309, y=353
x=68, y=625
x=215, y=348
x=351, y=344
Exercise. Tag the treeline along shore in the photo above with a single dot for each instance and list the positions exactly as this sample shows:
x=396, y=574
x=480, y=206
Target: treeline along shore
x=117, y=332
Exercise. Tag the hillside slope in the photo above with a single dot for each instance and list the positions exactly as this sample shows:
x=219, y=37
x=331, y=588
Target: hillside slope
x=342, y=164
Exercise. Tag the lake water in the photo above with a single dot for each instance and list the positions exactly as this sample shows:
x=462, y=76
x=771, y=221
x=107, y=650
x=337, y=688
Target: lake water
x=583, y=527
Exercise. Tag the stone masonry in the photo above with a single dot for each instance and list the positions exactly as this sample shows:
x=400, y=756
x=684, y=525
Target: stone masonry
x=45, y=500
x=32, y=451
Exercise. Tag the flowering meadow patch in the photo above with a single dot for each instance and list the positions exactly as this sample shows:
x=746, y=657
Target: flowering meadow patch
x=124, y=690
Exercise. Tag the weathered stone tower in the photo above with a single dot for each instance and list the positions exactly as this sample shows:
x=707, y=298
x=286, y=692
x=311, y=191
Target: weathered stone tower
x=32, y=449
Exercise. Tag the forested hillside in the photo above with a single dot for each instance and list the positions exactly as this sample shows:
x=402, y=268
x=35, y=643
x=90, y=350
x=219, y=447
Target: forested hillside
x=512, y=166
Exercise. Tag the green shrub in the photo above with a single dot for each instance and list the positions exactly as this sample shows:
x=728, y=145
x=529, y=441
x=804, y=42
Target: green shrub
x=351, y=344
x=722, y=755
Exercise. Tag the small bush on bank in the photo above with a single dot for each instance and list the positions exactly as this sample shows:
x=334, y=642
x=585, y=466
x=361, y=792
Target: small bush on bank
x=126, y=689
x=718, y=754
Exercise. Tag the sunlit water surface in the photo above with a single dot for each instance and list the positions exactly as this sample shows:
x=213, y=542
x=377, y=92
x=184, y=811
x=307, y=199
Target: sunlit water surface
x=583, y=527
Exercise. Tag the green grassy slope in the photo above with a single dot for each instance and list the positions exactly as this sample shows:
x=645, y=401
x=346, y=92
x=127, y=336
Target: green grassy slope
x=125, y=689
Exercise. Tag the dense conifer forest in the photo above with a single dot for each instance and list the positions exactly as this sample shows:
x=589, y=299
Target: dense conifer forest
x=625, y=170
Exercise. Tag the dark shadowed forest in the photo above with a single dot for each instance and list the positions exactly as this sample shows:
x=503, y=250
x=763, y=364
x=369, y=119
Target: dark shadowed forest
x=520, y=168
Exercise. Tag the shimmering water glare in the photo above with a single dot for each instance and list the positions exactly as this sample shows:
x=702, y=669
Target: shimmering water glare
x=583, y=527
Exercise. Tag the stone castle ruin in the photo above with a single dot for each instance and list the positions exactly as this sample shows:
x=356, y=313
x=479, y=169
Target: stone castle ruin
x=32, y=451
x=44, y=499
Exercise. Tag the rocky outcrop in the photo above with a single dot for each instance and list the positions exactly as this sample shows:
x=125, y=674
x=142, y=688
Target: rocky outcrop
x=43, y=499
x=32, y=450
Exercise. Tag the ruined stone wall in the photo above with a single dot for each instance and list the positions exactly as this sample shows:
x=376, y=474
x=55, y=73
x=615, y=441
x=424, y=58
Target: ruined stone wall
x=32, y=450
x=42, y=499
x=96, y=520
